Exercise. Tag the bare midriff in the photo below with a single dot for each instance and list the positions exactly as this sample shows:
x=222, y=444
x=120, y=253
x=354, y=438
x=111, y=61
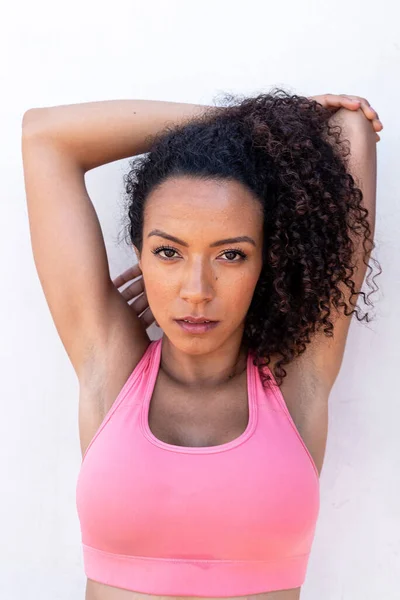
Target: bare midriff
x=99, y=591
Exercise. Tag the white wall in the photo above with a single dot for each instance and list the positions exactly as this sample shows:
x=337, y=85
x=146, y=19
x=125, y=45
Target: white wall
x=60, y=53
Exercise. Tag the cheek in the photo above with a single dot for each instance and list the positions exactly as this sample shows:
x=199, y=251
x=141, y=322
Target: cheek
x=238, y=295
x=159, y=290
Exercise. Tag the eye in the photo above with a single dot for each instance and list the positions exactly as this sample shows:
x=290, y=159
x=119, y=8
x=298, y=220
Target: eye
x=238, y=251
x=164, y=249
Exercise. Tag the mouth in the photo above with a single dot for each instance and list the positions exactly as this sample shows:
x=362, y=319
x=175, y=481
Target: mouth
x=196, y=327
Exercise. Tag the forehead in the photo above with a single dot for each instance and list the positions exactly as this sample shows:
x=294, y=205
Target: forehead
x=191, y=204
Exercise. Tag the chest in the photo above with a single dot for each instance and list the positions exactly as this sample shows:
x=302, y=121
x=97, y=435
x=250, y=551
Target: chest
x=201, y=417
x=205, y=418
x=198, y=417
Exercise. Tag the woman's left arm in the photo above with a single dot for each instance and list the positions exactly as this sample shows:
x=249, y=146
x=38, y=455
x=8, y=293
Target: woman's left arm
x=356, y=128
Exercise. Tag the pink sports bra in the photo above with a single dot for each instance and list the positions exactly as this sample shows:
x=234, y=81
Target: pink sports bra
x=227, y=520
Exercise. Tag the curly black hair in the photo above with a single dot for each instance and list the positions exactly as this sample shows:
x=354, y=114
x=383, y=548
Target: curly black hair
x=283, y=149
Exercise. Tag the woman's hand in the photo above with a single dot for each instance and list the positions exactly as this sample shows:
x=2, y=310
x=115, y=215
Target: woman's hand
x=334, y=102
x=137, y=293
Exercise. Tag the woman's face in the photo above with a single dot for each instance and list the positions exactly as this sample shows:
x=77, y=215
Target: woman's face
x=197, y=273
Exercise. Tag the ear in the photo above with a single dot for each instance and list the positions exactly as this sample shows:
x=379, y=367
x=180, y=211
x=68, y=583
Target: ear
x=138, y=256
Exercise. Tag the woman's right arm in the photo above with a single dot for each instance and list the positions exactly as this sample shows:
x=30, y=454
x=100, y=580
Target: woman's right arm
x=59, y=144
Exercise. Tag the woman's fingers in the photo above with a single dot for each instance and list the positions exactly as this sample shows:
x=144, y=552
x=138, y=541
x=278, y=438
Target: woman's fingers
x=137, y=293
x=139, y=304
x=127, y=275
x=370, y=113
x=147, y=318
x=135, y=288
x=141, y=307
x=367, y=109
x=350, y=102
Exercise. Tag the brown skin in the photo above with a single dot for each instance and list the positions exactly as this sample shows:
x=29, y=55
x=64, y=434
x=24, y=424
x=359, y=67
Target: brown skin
x=199, y=280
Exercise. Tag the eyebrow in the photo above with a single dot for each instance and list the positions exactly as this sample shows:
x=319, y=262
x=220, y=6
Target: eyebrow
x=172, y=238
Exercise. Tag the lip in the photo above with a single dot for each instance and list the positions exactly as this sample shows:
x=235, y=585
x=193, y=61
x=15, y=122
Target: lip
x=197, y=327
x=196, y=319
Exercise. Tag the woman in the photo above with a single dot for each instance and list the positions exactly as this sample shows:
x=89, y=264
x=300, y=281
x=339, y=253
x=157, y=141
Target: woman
x=201, y=452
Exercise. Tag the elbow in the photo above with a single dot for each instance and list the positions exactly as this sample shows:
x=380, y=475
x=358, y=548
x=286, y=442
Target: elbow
x=354, y=121
x=32, y=121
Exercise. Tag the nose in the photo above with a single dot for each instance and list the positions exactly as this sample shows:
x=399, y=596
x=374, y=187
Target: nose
x=197, y=282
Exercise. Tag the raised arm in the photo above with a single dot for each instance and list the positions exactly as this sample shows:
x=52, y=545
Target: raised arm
x=96, y=133
x=59, y=144
x=327, y=352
